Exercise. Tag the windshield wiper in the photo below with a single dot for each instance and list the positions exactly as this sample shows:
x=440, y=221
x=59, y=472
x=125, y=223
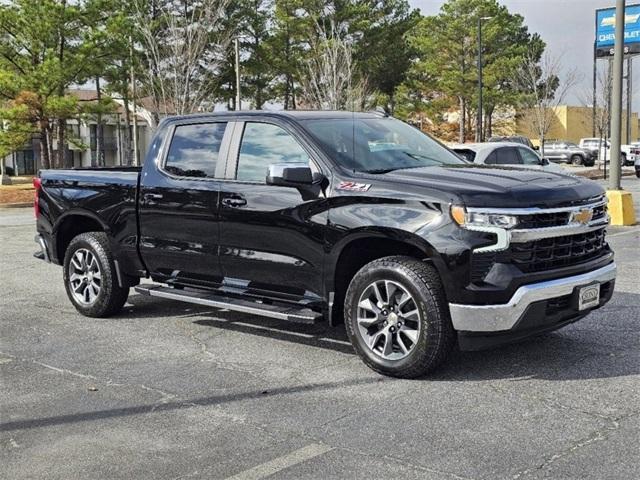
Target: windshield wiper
x=387, y=170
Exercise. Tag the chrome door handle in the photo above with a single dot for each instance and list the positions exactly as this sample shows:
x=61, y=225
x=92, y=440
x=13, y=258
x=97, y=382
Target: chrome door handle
x=234, y=202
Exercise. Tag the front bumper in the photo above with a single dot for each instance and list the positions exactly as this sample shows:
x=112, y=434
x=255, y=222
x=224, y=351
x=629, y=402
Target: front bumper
x=516, y=314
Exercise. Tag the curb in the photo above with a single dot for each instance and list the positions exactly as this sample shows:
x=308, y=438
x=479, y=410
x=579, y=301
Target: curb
x=16, y=205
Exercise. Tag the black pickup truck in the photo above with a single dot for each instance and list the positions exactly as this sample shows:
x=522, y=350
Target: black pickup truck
x=304, y=216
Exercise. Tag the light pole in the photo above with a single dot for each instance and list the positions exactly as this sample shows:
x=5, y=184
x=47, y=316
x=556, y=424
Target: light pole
x=479, y=121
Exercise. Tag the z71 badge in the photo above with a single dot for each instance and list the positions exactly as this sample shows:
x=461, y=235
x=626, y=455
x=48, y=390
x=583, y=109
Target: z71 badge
x=354, y=187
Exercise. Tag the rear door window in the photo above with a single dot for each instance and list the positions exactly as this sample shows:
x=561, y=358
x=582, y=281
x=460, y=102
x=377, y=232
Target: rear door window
x=507, y=156
x=194, y=150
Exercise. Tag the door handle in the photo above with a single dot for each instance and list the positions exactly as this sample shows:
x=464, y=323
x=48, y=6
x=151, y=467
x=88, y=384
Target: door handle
x=153, y=196
x=234, y=202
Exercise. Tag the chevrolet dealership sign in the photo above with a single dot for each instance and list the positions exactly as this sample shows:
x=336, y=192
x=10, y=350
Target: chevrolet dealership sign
x=606, y=26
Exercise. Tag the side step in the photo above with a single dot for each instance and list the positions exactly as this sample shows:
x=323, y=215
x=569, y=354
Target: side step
x=209, y=299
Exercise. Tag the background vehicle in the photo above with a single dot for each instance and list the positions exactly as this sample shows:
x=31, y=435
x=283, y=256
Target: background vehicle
x=302, y=216
x=561, y=151
x=514, y=139
x=637, y=166
x=598, y=147
x=508, y=154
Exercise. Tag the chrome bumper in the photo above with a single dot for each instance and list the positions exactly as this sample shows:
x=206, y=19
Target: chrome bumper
x=496, y=318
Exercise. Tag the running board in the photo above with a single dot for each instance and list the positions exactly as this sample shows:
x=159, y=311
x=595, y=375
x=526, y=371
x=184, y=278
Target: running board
x=287, y=313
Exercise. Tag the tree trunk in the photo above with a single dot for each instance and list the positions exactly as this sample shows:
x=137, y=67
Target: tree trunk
x=128, y=155
x=99, y=127
x=62, y=143
x=489, y=123
x=45, y=159
x=461, y=132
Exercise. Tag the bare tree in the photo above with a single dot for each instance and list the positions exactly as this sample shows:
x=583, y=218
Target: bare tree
x=328, y=74
x=545, y=89
x=601, y=117
x=184, y=44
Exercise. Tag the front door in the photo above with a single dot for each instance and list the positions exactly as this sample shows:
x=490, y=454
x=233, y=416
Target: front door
x=271, y=237
x=179, y=217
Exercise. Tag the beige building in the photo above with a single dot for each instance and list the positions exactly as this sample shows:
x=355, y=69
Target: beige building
x=573, y=123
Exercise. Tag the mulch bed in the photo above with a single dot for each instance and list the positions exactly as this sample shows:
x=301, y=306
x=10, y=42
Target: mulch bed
x=16, y=195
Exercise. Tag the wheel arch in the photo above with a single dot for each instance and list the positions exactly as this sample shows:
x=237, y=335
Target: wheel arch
x=72, y=224
x=351, y=253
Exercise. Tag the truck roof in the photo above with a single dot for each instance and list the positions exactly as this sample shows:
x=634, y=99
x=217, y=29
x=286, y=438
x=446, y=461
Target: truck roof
x=293, y=114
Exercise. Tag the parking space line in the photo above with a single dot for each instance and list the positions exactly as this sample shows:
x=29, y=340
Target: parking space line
x=280, y=463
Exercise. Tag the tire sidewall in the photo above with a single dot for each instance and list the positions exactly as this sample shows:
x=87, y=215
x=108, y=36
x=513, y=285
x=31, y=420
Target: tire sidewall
x=577, y=160
x=424, y=301
x=88, y=242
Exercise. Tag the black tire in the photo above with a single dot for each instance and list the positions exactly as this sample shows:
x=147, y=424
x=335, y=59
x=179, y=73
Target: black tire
x=436, y=336
x=577, y=160
x=111, y=297
x=623, y=159
x=638, y=172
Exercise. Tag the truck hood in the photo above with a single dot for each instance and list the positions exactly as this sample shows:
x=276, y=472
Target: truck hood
x=485, y=186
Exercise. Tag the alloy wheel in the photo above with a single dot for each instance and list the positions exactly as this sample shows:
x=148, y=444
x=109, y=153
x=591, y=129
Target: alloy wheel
x=85, y=277
x=388, y=319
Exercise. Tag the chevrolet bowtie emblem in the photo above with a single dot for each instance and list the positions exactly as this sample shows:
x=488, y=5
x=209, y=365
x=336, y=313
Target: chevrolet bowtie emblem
x=583, y=216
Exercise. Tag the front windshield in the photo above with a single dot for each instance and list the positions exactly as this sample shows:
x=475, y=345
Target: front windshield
x=379, y=145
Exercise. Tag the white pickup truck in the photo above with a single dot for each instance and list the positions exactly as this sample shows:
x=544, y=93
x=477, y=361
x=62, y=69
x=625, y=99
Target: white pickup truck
x=598, y=147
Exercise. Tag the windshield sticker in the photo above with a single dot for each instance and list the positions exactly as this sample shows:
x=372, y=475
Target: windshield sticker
x=354, y=187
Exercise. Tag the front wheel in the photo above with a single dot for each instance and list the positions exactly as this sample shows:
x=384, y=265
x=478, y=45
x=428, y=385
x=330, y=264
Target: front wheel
x=90, y=276
x=397, y=317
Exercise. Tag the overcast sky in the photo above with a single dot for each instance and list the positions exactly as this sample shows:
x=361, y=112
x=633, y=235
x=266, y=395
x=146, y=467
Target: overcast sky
x=567, y=26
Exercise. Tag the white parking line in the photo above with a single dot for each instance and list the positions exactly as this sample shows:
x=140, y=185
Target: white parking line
x=280, y=463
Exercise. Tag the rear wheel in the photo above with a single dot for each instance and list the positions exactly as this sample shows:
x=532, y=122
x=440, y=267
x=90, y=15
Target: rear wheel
x=576, y=160
x=397, y=317
x=623, y=159
x=90, y=276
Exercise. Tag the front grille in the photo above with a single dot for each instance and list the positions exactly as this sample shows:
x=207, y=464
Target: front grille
x=542, y=255
x=551, y=253
x=543, y=220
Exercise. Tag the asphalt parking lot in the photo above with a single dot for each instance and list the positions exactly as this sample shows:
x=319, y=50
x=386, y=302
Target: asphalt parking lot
x=168, y=390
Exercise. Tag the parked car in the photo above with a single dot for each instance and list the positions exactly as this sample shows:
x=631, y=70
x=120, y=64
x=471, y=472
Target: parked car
x=599, y=148
x=514, y=139
x=637, y=166
x=561, y=151
x=505, y=153
x=304, y=216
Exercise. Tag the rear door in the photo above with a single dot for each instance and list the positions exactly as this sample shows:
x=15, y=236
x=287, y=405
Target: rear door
x=179, y=198
x=271, y=237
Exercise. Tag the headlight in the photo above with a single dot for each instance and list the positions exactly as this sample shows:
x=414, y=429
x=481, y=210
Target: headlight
x=474, y=219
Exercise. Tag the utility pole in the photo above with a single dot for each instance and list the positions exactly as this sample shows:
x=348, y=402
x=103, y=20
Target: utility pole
x=237, y=49
x=629, y=95
x=136, y=161
x=595, y=86
x=616, y=101
x=479, y=121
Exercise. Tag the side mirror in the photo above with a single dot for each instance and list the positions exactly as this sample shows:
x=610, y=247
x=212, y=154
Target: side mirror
x=536, y=147
x=544, y=161
x=289, y=174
